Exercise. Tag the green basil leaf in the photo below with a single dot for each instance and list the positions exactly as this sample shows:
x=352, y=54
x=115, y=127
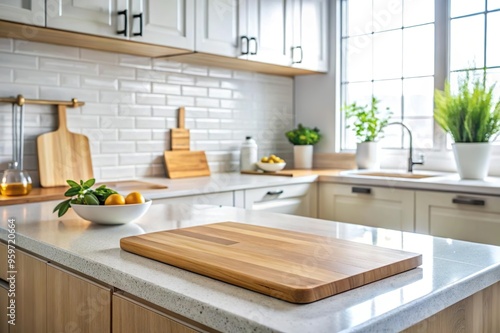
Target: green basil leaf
x=72, y=183
x=64, y=208
x=56, y=208
x=71, y=192
x=89, y=183
x=91, y=199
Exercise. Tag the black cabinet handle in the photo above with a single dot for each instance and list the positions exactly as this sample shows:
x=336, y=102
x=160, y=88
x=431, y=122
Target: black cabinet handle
x=245, y=38
x=124, y=31
x=301, y=54
x=468, y=201
x=275, y=192
x=140, y=24
x=364, y=190
x=256, y=45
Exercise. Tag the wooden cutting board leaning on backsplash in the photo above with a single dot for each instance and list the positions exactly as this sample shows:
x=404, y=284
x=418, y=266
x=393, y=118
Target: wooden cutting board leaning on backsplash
x=63, y=155
x=293, y=266
x=181, y=162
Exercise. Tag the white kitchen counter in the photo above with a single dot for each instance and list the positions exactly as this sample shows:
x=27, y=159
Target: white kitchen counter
x=451, y=270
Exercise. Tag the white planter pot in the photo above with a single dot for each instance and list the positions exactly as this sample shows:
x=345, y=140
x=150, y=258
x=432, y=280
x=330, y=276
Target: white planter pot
x=472, y=159
x=303, y=157
x=367, y=155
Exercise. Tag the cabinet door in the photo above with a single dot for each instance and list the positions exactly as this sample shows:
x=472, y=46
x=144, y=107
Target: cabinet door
x=474, y=218
x=132, y=317
x=31, y=294
x=220, y=24
x=30, y=12
x=95, y=17
x=164, y=22
x=76, y=304
x=270, y=23
x=220, y=199
x=299, y=199
x=4, y=303
x=310, y=35
x=372, y=206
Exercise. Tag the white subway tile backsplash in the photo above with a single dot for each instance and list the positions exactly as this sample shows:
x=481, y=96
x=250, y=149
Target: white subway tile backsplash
x=68, y=66
x=149, y=122
x=116, y=71
x=135, y=86
x=132, y=102
x=11, y=60
x=6, y=44
x=56, y=51
x=150, y=99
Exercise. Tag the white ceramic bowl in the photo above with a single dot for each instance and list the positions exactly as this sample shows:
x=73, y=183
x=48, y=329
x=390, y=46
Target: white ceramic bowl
x=112, y=214
x=271, y=167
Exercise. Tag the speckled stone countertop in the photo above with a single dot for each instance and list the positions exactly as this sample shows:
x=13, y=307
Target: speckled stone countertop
x=451, y=270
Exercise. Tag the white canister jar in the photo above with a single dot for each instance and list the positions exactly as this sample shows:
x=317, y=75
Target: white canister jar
x=248, y=154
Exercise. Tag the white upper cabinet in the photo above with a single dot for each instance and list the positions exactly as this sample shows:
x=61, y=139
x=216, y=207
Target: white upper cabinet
x=163, y=22
x=30, y=12
x=160, y=22
x=309, y=49
x=220, y=24
x=97, y=17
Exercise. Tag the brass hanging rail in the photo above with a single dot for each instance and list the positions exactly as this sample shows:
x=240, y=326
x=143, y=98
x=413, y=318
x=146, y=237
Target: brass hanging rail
x=20, y=100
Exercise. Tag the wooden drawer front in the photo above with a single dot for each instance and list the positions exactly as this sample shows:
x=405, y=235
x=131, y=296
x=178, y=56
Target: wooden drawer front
x=76, y=302
x=276, y=192
x=3, y=261
x=222, y=199
x=473, y=218
x=367, y=205
x=132, y=317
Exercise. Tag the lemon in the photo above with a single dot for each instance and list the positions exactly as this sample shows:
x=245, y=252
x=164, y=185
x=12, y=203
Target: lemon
x=264, y=159
x=115, y=199
x=134, y=198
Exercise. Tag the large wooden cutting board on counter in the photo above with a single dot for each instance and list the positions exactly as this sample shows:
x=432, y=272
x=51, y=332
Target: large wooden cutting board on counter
x=293, y=266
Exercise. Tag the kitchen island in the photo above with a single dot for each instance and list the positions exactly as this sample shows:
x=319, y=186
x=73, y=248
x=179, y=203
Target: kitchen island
x=451, y=271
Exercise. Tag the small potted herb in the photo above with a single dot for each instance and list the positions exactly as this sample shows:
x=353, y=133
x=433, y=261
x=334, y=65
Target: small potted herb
x=303, y=138
x=472, y=118
x=369, y=123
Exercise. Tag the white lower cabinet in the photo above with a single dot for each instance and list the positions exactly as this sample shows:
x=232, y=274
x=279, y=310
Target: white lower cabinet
x=221, y=199
x=296, y=199
x=367, y=205
x=468, y=217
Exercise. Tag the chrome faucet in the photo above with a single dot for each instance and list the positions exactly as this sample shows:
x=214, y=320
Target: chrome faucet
x=411, y=163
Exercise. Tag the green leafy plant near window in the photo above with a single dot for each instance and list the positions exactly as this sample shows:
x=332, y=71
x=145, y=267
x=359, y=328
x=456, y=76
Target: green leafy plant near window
x=369, y=121
x=470, y=115
x=303, y=136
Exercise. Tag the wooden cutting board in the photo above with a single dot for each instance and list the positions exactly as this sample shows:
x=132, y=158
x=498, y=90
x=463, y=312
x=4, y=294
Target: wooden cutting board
x=63, y=155
x=179, y=137
x=296, y=267
x=184, y=164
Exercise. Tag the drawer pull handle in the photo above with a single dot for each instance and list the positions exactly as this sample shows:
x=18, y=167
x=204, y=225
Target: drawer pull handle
x=468, y=201
x=364, y=190
x=125, y=18
x=275, y=192
x=140, y=24
x=245, y=41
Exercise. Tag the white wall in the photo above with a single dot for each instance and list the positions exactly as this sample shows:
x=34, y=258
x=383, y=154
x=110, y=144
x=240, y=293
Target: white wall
x=131, y=102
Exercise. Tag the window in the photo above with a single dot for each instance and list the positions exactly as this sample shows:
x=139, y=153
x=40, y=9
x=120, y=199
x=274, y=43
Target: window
x=388, y=50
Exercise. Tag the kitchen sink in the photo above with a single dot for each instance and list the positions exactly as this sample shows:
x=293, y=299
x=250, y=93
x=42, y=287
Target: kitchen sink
x=389, y=174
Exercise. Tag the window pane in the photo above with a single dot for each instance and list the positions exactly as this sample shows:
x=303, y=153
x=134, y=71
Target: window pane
x=387, y=14
x=418, y=51
x=422, y=131
x=387, y=55
x=361, y=93
x=493, y=4
x=418, y=97
x=467, y=42
x=389, y=94
x=359, y=58
x=359, y=17
x=418, y=12
x=466, y=7
x=492, y=44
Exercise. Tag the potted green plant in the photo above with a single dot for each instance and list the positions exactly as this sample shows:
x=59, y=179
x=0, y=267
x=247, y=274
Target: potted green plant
x=472, y=118
x=303, y=138
x=369, y=123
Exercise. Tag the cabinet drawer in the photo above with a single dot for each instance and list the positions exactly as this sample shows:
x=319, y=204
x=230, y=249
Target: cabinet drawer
x=221, y=199
x=469, y=217
x=277, y=192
